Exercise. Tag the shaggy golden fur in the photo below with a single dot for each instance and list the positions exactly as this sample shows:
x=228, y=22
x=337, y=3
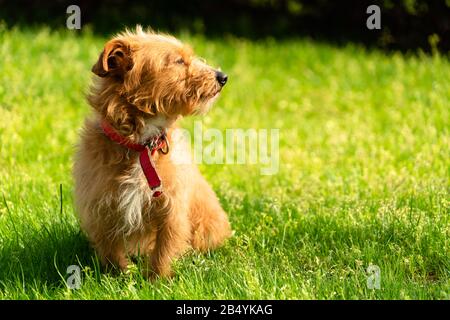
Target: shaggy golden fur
x=145, y=82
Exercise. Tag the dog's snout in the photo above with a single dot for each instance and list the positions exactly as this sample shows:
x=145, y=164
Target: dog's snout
x=221, y=78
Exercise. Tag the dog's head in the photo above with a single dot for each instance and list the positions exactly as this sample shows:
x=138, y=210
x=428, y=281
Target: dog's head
x=158, y=74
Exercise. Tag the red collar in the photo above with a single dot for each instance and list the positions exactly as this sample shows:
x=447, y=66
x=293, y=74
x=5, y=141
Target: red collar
x=145, y=150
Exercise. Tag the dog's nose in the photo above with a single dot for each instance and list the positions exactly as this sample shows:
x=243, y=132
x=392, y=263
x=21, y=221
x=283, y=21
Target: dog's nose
x=221, y=78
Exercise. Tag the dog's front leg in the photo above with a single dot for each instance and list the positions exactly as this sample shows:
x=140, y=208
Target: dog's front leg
x=172, y=239
x=111, y=253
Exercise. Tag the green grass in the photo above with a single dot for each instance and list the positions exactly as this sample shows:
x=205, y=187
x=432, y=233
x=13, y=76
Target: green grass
x=363, y=179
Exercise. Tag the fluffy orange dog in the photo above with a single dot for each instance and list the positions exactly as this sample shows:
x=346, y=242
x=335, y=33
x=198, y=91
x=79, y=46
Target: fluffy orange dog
x=131, y=194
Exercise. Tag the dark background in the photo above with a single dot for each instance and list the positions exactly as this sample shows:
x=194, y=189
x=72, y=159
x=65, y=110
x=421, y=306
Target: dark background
x=406, y=24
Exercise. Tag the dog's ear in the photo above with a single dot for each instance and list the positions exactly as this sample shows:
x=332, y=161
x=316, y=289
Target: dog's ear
x=115, y=60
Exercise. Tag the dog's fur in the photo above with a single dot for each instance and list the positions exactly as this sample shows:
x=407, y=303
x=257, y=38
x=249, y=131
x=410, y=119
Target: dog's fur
x=146, y=81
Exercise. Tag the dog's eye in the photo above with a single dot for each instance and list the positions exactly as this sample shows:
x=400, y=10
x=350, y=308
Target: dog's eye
x=179, y=61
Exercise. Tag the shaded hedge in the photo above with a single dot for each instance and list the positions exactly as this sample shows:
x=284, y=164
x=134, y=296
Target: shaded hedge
x=406, y=24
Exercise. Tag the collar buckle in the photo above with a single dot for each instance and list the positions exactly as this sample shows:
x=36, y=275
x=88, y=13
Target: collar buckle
x=165, y=146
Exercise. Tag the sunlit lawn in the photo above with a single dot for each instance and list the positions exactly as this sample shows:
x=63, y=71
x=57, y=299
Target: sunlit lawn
x=363, y=176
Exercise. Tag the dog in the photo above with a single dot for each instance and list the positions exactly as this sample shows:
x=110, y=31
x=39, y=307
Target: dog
x=132, y=195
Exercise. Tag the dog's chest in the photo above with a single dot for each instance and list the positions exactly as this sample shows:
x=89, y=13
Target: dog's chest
x=135, y=201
